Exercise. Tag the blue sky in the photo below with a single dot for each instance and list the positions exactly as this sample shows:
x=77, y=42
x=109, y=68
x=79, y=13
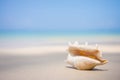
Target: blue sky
x=59, y=14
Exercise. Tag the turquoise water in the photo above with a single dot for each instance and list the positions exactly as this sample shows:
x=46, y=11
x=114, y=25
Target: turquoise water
x=20, y=38
x=56, y=33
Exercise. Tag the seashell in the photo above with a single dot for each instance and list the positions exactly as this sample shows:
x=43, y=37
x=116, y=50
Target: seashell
x=84, y=56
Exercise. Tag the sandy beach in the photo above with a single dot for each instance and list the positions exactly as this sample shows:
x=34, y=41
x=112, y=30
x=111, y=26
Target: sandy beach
x=35, y=35
x=47, y=63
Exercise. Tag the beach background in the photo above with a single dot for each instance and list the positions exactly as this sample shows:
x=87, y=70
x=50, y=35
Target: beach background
x=34, y=36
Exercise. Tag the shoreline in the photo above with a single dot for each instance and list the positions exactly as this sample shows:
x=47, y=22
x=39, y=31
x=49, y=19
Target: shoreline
x=49, y=49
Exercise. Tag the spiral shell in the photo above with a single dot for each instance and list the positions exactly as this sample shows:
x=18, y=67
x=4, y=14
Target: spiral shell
x=84, y=57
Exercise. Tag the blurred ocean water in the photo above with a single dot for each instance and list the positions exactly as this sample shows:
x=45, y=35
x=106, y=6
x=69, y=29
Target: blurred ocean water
x=59, y=33
x=20, y=38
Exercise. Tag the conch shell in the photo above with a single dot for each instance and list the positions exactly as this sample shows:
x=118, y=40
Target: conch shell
x=84, y=57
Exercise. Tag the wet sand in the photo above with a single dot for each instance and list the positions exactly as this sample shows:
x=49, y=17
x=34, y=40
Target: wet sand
x=51, y=66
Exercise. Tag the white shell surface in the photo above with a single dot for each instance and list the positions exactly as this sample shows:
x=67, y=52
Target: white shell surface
x=81, y=62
